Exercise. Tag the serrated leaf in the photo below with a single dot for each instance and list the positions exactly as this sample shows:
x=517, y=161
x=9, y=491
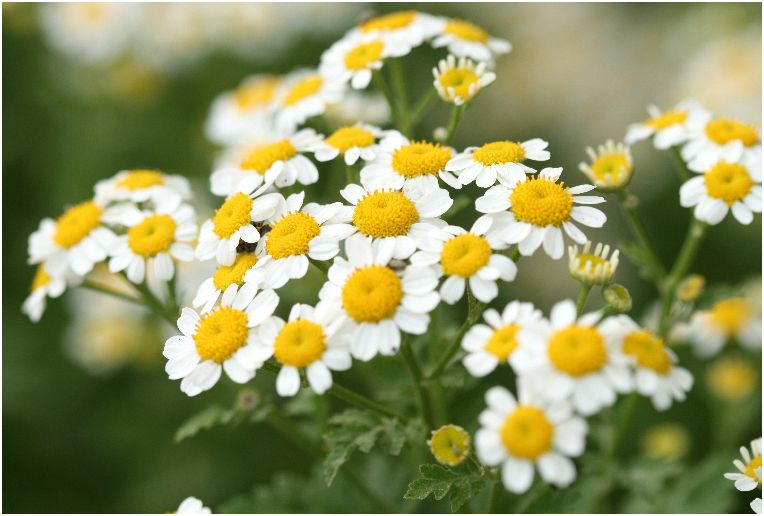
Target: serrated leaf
x=438, y=481
x=462, y=490
x=207, y=418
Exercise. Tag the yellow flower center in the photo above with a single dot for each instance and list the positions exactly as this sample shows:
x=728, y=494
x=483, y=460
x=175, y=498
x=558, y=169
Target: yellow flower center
x=725, y=130
x=496, y=153
x=649, y=350
x=503, y=342
x=140, y=179
x=541, y=202
x=577, y=350
x=346, y=137
x=154, y=234
x=731, y=314
x=299, y=343
x=666, y=119
x=232, y=215
x=363, y=55
x=226, y=275
x=372, y=293
x=450, y=444
x=460, y=79
x=464, y=255
x=256, y=93
x=262, y=157
x=304, y=88
x=691, y=288
x=527, y=433
x=76, y=223
x=466, y=30
x=667, y=441
x=729, y=182
x=610, y=166
x=384, y=214
x=291, y=235
x=41, y=278
x=420, y=159
x=390, y=21
x=220, y=334
x=731, y=378
x=751, y=467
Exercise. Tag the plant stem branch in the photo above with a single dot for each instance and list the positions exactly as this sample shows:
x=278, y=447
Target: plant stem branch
x=453, y=123
x=583, y=295
x=494, y=497
x=103, y=289
x=420, y=109
x=655, y=268
x=425, y=407
x=679, y=164
x=475, y=310
x=624, y=418
x=381, y=84
x=529, y=499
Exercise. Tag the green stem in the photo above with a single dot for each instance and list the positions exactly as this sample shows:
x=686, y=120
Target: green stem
x=453, y=123
x=583, y=295
x=322, y=266
x=350, y=174
x=168, y=313
x=419, y=110
x=381, y=84
x=103, y=289
x=399, y=88
x=624, y=419
x=495, y=497
x=537, y=491
x=425, y=407
x=679, y=164
x=474, y=312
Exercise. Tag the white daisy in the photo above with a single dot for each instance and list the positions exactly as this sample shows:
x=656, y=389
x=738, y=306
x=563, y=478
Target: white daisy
x=43, y=287
x=410, y=28
x=668, y=128
x=502, y=160
x=541, y=208
x=747, y=479
x=465, y=256
x=141, y=185
x=459, y=81
x=487, y=346
x=380, y=298
x=527, y=434
x=592, y=268
x=714, y=138
x=192, y=505
x=223, y=339
x=727, y=319
x=306, y=94
x=308, y=340
x=353, y=142
x=225, y=275
x=465, y=39
x=570, y=358
x=611, y=166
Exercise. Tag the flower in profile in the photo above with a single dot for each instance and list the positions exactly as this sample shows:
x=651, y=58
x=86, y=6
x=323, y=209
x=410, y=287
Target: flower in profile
x=668, y=128
x=747, y=479
x=731, y=379
x=354, y=58
x=529, y=434
x=43, y=286
x=712, y=140
x=666, y=441
x=352, y=142
x=465, y=39
x=380, y=298
x=468, y=256
x=459, y=81
x=501, y=160
x=541, y=209
x=306, y=93
x=410, y=27
x=592, y=268
x=223, y=339
x=730, y=318
x=310, y=339
x=490, y=345
x=225, y=277
x=192, y=505
x=690, y=288
x=611, y=166
x=449, y=444
x=141, y=185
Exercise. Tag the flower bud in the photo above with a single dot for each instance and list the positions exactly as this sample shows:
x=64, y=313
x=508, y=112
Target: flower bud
x=450, y=444
x=617, y=298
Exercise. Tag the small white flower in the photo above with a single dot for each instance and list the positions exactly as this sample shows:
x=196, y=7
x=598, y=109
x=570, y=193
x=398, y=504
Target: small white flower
x=592, y=268
x=669, y=128
x=306, y=94
x=225, y=275
x=410, y=28
x=459, y=81
x=501, y=160
x=353, y=142
x=713, y=139
x=748, y=479
x=141, y=185
x=465, y=39
x=611, y=166
x=192, y=505
x=355, y=57
x=43, y=287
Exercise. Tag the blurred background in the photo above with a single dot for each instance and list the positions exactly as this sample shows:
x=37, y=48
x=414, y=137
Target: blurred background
x=88, y=413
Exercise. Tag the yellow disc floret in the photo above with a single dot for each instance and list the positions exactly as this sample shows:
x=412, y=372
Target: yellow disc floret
x=299, y=343
x=232, y=215
x=420, y=159
x=226, y=275
x=496, y=153
x=345, y=138
x=464, y=255
x=503, y=342
x=541, y=202
x=731, y=378
x=460, y=81
x=466, y=30
x=527, y=432
x=291, y=235
x=611, y=166
x=450, y=444
x=303, y=89
x=140, y=179
x=255, y=93
x=752, y=466
x=220, y=334
x=154, y=234
x=725, y=130
x=667, y=119
x=76, y=223
x=41, y=278
x=262, y=157
x=392, y=21
x=577, y=350
x=383, y=214
x=731, y=314
x=372, y=293
x=363, y=55
x=729, y=182
x=648, y=350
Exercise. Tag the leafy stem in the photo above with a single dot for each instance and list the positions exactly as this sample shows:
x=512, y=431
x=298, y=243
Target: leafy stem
x=583, y=295
x=425, y=407
x=453, y=122
x=655, y=268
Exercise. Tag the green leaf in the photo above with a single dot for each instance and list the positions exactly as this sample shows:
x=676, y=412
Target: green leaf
x=438, y=481
x=207, y=418
x=462, y=490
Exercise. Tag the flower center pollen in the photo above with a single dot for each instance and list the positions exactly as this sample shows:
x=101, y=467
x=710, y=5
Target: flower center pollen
x=372, y=293
x=76, y=223
x=420, y=159
x=729, y=182
x=610, y=166
x=466, y=30
x=363, y=55
x=752, y=466
x=345, y=138
x=649, y=351
x=390, y=21
x=496, y=153
x=255, y=93
x=291, y=235
x=304, y=88
x=41, y=278
x=725, y=130
x=527, y=433
x=261, y=158
x=464, y=255
x=385, y=214
x=232, y=215
x=460, y=80
x=220, y=334
x=731, y=314
x=227, y=275
x=299, y=343
x=154, y=234
x=503, y=342
x=140, y=179
x=667, y=119
x=541, y=202
x=577, y=350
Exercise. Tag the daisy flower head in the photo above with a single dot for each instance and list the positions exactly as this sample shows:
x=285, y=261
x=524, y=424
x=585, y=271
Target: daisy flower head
x=74, y=242
x=459, y=81
x=730, y=318
x=43, y=286
x=716, y=137
x=310, y=340
x=399, y=216
x=491, y=344
x=306, y=94
x=592, y=268
x=656, y=374
x=449, y=444
x=401, y=162
x=221, y=340
x=380, y=298
x=465, y=39
x=279, y=161
x=141, y=185
x=668, y=128
x=225, y=277
x=527, y=434
x=297, y=234
x=502, y=160
x=468, y=256
x=748, y=478
x=192, y=505
x=572, y=358
x=541, y=208
x=611, y=166
x=410, y=28
x=352, y=142
x=235, y=221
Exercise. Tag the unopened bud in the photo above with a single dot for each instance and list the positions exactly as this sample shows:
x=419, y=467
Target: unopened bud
x=617, y=298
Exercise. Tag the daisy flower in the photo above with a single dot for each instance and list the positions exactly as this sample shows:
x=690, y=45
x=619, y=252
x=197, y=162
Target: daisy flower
x=74, y=242
x=527, y=434
x=668, y=128
x=731, y=318
x=465, y=39
x=656, y=374
x=592, y=268
x=714, y=138
x=449, y=444
x=141, y=185
x=747, y=479
x=611, y=166
x=570, y=358
x=458, y=82
x=224, y=277
x=192, y=505
x=403, y=162
x=354, y=58
x=396, y=215
x=223, y=339
x=307, y=340
x=233, y=222
x=468, y=256
x=353, y=142
x=410, y=28
x=380, y=300
x=306, y=94
x=540, y=209
x=43, y=287
x=279, y=161
x=296, y=235
x=153, y=240
x=502, y=160
x=489, y=345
